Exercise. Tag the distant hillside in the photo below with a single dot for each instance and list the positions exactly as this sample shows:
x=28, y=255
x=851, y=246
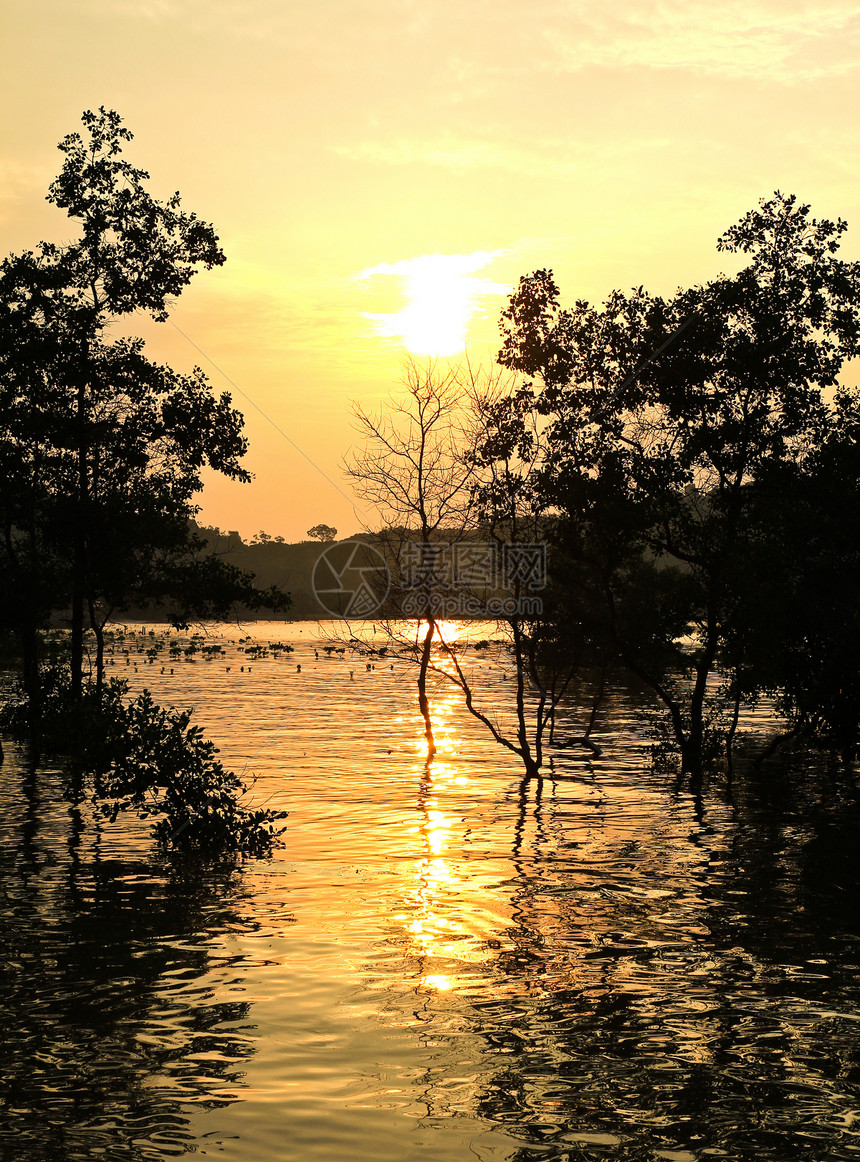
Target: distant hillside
x=289, y=567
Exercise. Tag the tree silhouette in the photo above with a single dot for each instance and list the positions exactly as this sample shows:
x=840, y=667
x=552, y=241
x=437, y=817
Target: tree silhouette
x=102, y=449
x=669, y=424
x=415, y=471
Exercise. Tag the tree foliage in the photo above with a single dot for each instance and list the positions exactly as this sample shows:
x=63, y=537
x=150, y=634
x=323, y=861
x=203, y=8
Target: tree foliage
x=672, y=428
x=133, y=755
x=323, y=533
x=102, y=449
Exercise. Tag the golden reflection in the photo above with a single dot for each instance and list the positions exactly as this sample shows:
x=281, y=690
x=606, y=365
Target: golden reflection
x=443, y=927
x=437, y=832
x=435, y=981
x=446, y=732
x=449, y=631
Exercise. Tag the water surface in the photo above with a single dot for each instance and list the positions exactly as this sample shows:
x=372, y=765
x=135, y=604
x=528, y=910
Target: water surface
x=435, y=965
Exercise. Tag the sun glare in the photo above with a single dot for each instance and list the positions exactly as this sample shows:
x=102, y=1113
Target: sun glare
x=441, y=298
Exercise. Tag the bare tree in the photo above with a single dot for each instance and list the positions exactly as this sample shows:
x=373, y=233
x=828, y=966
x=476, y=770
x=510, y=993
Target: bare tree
x=416, y=469
x=453, y=462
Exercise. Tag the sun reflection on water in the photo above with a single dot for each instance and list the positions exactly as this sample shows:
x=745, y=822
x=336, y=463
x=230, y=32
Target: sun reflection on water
x=438, y=982
x=442, y=935
x=505, y=973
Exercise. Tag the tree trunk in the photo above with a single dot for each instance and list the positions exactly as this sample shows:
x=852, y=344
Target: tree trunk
x=77, y=652
x=79, y=551
x=691, y=753
x=423, y=702
x=79, y=561
x=693, y=745
x=32, y=687
x=99, y=630
x=532, y=763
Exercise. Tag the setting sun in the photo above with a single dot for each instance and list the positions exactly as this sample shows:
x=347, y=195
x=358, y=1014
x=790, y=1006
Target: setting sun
x=441, y=299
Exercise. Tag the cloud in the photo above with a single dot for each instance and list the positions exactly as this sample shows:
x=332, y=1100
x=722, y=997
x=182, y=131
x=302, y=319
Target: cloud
x=434, y=265
x=19, y=179
x=479, y=45
x=771, y=41
x=540, y=157
x=180, y=10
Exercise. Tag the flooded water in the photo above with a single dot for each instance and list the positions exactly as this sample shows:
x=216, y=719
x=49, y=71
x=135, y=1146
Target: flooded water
x=434, y=966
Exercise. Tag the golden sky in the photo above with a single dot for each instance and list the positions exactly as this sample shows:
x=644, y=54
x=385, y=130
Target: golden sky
x=380, y=171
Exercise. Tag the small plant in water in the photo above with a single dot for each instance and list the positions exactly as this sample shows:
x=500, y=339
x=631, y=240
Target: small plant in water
x=136, y=755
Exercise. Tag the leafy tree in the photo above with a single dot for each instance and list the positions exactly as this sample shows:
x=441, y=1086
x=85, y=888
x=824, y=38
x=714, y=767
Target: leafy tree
x=799, y=636
x=323, y=533
x=669, y=424
x=102, y=448
x=135, y=755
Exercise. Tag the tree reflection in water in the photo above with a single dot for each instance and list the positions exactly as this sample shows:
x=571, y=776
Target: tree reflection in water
x=608, y=970
x=686, y=987
x=120, y=1009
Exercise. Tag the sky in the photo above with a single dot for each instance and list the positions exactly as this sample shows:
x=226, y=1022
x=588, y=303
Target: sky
x=381, y=173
